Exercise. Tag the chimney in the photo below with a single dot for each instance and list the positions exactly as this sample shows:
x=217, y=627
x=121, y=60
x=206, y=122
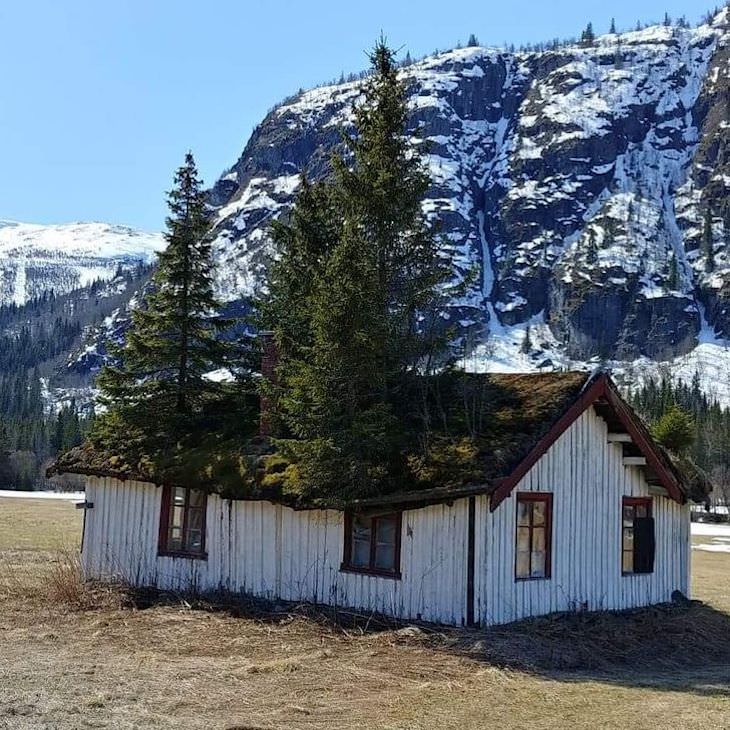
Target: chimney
x=269, y=360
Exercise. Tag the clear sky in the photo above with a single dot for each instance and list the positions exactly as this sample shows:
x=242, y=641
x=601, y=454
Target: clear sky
x=100, y=99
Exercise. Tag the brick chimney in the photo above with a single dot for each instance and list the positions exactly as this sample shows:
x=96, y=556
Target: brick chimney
x=269, y=360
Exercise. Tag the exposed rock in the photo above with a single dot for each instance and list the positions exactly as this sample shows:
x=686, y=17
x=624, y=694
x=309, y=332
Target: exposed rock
x=573, y=180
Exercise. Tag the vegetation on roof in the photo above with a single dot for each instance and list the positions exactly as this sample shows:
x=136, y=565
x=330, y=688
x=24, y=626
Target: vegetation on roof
x=481, y=427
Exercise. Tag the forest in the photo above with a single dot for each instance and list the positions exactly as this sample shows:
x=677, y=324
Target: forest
x=40, y=413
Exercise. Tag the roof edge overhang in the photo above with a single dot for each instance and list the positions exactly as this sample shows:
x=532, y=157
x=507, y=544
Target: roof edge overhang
x=598, y=387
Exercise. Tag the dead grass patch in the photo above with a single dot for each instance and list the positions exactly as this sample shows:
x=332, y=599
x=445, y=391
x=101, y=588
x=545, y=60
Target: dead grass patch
x=168, y=661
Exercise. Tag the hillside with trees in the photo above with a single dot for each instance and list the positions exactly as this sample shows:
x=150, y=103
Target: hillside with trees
x=35, y=341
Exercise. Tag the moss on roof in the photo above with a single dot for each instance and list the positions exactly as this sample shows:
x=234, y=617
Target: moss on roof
x=482, y=427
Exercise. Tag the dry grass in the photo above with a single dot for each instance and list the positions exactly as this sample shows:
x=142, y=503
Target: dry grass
x=67, y=663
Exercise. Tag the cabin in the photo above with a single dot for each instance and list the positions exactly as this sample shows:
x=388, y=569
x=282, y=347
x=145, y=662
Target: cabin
x=583, y=512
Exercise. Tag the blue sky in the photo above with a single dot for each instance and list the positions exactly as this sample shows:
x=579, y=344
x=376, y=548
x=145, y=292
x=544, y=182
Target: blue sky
x=100, y=99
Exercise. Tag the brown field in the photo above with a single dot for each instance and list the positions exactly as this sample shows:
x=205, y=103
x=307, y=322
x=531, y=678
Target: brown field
x=70, y=658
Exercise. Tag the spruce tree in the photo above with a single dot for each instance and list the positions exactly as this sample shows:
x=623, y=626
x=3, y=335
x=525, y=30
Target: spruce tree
x=612, y=30
x=473, y=40
x=588, y=37
x=362, y=268
x=6, y=470
x=156, y=395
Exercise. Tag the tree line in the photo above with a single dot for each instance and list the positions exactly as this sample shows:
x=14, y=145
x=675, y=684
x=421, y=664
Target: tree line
x=35, y=339
x=688, y=422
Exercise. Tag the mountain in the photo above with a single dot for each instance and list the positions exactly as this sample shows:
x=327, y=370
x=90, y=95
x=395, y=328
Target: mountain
x=36, y=259
x=585, y=183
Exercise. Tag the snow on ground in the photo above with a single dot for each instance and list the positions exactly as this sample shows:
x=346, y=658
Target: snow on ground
x=720, y=535
x=714, y=547
x=17, y=494
x=222, y=375
x=712, y=529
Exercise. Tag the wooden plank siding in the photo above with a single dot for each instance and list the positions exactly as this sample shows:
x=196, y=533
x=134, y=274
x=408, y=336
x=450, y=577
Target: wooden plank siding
x=272, y=551
x=587, y=477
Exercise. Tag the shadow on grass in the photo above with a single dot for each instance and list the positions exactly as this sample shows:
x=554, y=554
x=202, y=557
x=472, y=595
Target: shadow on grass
x=682, y=646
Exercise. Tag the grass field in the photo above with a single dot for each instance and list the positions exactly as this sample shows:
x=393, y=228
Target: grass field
x=111, y=666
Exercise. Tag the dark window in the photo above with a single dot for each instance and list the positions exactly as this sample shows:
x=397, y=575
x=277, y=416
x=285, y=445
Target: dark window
x=372, y=544
x=533, y=536
x=182, y=522
x=637, y=536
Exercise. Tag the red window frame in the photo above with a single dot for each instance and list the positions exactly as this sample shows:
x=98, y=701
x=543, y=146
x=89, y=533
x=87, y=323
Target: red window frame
x=371, y=568
x=632, y=502
x=166, y=514
x=547, y=499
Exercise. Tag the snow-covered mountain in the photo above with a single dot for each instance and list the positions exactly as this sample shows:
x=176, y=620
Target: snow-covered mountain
x=35, y=259
x=588, y=185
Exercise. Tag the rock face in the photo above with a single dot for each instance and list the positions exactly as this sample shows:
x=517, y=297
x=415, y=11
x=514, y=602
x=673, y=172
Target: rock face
x=586, y=186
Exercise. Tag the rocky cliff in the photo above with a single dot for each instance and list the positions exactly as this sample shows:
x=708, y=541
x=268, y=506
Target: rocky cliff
x=587, y=185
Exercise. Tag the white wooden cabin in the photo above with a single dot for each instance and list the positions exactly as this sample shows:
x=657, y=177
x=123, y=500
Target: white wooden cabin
x=594, y=517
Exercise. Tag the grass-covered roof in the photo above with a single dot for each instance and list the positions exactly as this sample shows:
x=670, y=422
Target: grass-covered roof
x=482, y=427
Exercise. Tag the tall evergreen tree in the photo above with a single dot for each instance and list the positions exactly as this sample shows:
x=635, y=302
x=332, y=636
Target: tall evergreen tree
x=612, y=30
x=588, y=36
x=157, y=394
x=6, y=470
x=362, y=268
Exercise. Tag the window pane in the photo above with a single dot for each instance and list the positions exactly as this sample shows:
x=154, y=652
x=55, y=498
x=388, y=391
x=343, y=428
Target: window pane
x=523, y=513
x=178, y=496
x=385, y=556
x=538, y=513
x=523, y=539
x=538, y=564
x=628, y=515
x=627, y=565
x=361, y=528
x=640, y=510
x=174, y=540
x=360, y=553
x=628, y=538
x=523, y=564
x=196, y=498
x=195, y=519
x=385, y=530
x=195, y=541
x=176, y=517
x=538, y=538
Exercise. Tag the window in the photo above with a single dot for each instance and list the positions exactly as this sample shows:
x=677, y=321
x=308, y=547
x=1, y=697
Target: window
x=372, y=544
x=637, y=536
x=182, y=522
x=533, y=537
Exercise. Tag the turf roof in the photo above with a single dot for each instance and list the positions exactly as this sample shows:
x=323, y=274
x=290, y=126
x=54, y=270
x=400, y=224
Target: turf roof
x=483, y=427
